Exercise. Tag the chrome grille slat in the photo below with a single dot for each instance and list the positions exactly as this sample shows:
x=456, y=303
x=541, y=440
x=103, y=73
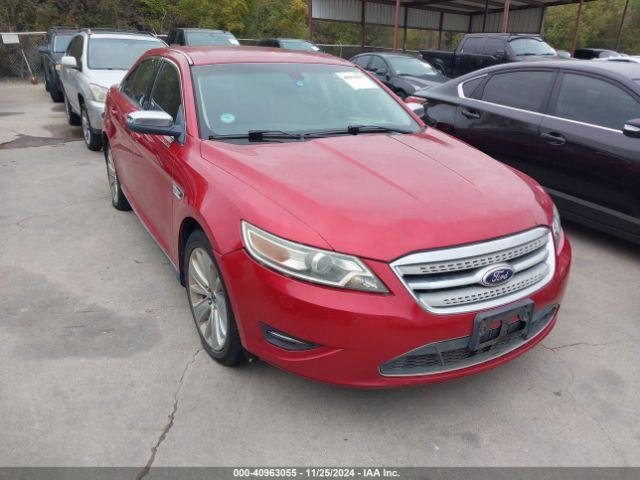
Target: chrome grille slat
x=450, y=280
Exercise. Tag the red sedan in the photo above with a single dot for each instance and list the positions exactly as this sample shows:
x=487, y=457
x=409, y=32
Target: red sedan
x=318, y=225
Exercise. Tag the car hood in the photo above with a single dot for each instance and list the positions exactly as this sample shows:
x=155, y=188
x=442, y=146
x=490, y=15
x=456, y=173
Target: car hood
x=382, y=196
x=106, y=78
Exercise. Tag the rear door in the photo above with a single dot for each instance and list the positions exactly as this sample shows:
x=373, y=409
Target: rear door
x=594, y=170
x=503, y=118
x=469, y=57
x=158, y=154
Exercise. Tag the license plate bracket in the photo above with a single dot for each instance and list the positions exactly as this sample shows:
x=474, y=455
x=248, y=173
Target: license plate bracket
x=486, y=322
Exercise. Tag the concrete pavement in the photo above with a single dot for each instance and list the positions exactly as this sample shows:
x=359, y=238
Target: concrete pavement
x=101, y=364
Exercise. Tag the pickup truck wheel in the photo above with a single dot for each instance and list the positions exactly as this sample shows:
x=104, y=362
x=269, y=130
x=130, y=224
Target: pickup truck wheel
x=209, y=303
x=72, y=118
x=118, y=199
x=91, y=138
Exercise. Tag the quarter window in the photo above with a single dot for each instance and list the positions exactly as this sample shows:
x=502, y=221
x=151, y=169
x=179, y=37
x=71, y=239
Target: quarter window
x=524, y=90
x=590, y=100
x=470, y=86
x=166, y=94
x=137, y=85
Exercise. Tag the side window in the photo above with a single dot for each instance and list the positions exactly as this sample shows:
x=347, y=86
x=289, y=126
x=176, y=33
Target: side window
x=137, y=85
x=470, y=86
x=524, y=90
x=473, y=45
x=171, y=38
x=180, y=38
x=166, y=95
x=71, y=48
x=582, y=98
x=493, y=46
x=378, y=65
x=363, y=61
x=78, y=49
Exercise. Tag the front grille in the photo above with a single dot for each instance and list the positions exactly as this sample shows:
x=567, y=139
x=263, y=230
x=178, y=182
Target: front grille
x=449, y=280
x=455, y=354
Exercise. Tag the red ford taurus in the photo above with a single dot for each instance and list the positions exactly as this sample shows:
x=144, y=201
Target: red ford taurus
x=317, y=224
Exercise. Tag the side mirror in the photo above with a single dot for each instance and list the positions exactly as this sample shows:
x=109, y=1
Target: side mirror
x=69, y=61
x=43, y=49
x=153, y=123
x=416, y=108
x=632, y=128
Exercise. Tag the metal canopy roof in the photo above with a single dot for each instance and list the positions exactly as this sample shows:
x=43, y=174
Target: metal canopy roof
x=524, y=16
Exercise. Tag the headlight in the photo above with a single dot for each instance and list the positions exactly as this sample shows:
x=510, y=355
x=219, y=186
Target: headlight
x=556, y=226
x=98, y=93
x=308, y=263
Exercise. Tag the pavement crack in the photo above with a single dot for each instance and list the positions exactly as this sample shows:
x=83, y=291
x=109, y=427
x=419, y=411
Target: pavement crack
x=165, y=431
x=586, y=344
x=20, y=222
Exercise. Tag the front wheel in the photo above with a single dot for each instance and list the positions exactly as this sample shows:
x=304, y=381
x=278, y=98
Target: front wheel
x=209, y=302
x=91, y=139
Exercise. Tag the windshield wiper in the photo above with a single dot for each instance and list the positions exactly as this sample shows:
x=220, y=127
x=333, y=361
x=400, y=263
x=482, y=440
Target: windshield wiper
x=259, y=135
x=356, y=129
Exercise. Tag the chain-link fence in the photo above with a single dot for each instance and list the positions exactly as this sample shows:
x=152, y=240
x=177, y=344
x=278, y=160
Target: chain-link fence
x=16, y=59
x=22, y=59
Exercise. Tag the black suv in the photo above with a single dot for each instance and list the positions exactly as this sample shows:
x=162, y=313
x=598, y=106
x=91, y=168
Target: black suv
x=572, y=125
x=51, y=52
x=201, y=36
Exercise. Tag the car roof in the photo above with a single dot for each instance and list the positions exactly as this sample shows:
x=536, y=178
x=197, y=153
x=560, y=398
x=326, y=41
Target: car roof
x=388, y=55
x=202, y=30
x=626, y=69
x=504, y=35
x=211, y=55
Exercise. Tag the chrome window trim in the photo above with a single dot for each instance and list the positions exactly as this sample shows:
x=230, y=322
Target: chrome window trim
x=478, y=249
x=543, y=115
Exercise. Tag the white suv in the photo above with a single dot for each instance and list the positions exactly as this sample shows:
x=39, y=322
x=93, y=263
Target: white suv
x=95, y=60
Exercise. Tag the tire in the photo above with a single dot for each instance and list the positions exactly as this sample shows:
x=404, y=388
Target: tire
x=118, y=199
x=72, y=118
x=209, y=303
x=92, y=140
x=56, y=96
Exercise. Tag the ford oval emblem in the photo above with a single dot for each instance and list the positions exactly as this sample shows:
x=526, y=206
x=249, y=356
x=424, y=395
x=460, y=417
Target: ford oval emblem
x=497, y=275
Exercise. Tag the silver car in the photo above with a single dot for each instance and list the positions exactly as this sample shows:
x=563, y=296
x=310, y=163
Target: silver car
x=95, y=60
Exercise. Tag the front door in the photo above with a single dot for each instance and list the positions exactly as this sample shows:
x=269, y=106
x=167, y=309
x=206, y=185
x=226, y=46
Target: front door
x=594, y=169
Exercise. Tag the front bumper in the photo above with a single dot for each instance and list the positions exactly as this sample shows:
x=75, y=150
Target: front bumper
x=95, y=110
x=358, y=332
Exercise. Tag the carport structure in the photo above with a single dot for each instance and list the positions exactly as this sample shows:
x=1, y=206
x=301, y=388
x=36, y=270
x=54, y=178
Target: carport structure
x=458, y=16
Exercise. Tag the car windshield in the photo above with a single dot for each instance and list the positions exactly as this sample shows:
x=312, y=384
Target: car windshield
x=298, y=45
x=295, y=98
x=60, y=43
x=118, y=53
x=211, y=38
x=531, y=46
x=412, y=67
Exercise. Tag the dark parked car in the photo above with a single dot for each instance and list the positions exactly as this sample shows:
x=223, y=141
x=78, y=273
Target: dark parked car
x=289, y=44
x=401, y=73
x=201, y=36
x=591, y=53
x=573, y=126
x=51, y=52
x=480, y=50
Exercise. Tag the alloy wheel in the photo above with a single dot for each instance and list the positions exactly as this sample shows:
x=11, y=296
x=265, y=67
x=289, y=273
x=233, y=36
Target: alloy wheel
x=208, y=299
x=86, y=127
x=112, y=176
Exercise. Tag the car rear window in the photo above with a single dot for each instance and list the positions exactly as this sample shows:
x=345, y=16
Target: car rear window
x=211, y=38
x=61, y=42
x=118, y=53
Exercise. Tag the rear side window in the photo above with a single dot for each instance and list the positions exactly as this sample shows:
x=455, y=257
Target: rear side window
x=582, y=98
x=473, y=45
x=137, y=85
x=166, y=95
x=524, y=90
x=378, y=65
x=493, y=46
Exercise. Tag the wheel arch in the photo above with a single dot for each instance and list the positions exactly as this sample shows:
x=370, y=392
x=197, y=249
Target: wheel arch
x=187, y=227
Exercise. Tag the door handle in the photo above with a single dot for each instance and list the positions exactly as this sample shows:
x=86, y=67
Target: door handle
x=553, y=138
x=471, y=114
